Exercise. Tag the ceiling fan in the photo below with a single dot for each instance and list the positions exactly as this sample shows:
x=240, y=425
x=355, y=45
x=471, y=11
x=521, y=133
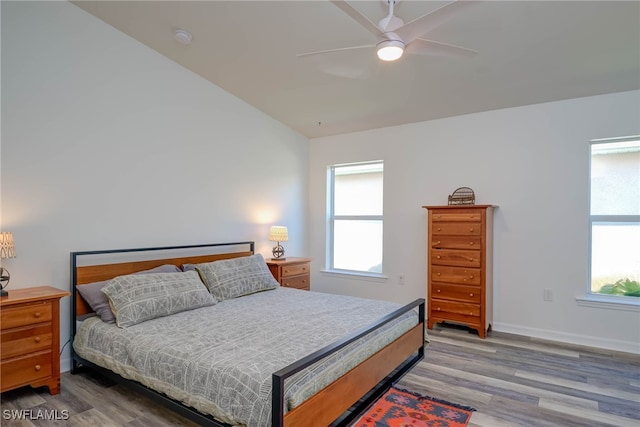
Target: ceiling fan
x=396, y=38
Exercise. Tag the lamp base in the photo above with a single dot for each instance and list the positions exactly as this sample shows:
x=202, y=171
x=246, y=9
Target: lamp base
x=278, y=259
x=4, y=293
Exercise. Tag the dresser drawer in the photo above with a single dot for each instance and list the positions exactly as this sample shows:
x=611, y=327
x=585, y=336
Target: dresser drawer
x=452, y=307
x=19, y=341
x=12, y=317
x=24, y=370
x=298, y=282
x=471, y=216
x=466, y=276
x=295, y=269
x=456, y=292
x=457, y=242
x=457, y=228
x=456, y=257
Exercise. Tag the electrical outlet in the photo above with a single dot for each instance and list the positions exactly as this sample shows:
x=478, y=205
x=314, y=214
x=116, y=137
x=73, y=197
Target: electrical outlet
x=548, y=294
x=401, y=280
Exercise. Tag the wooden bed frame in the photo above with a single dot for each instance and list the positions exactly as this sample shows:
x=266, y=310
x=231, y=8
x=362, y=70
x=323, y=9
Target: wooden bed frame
x=340, y=403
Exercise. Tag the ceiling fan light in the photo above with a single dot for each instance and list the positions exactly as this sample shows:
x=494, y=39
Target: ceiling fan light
x=390, y=50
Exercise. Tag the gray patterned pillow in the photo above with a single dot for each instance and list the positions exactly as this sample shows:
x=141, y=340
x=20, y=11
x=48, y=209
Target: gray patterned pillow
x=137, y=298
x=92, y=293
x=232, y=278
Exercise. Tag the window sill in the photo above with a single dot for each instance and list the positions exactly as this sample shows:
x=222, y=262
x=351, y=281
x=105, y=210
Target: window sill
x=355, y=275
x=612, y=303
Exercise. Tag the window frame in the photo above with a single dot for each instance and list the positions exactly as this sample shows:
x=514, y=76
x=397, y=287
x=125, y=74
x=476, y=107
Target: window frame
x=332, y=218
x=595, y=298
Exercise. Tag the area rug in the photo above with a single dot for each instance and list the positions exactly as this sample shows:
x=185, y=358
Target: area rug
x=401, y=408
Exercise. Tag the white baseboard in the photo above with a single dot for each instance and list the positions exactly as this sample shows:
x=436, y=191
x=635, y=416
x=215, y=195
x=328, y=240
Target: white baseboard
x=586, y=340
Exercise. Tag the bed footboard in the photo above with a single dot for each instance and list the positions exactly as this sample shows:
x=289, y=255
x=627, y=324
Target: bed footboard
x=356, y=390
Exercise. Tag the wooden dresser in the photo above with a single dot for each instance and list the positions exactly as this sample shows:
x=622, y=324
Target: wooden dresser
x=292, y=272
x=30, y=346
x=459, y=265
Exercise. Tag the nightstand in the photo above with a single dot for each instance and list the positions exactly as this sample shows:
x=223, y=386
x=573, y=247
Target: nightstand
x=30, y=344
x=292, y=272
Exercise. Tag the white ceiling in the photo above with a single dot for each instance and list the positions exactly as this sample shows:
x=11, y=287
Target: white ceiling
x=528, y=52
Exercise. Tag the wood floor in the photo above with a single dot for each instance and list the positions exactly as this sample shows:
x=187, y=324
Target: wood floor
x=510, y=380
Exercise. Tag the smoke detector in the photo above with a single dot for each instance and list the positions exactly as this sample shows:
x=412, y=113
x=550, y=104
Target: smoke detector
x=182, y=36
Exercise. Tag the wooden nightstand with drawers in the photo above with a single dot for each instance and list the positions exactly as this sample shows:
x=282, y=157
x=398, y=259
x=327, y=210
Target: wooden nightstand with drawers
x=292, y=272
x=30, y=343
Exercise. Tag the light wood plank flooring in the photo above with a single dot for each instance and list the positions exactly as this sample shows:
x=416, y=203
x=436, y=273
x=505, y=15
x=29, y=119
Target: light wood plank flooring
x=510, y=380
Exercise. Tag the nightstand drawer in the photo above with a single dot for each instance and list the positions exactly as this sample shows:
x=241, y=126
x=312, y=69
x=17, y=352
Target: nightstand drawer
x=12, y=317
x=295, y=269
x=298, y=282
x=19, y=341
x=24, y=370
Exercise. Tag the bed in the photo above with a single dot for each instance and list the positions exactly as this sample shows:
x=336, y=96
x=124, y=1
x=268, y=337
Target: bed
x=276, y=356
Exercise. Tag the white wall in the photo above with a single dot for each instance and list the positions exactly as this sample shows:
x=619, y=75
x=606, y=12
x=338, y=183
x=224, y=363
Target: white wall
x=532, y=162
x=107, y=144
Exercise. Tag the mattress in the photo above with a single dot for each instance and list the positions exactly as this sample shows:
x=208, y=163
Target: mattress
x=219, y=359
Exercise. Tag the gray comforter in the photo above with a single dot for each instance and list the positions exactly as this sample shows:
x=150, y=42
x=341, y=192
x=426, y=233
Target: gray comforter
x=219, y=359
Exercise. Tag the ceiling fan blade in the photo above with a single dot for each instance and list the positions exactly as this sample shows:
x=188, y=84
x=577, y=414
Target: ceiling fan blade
x=422, y=25
x=429, y=47
x=358, y=17
x=341, y=49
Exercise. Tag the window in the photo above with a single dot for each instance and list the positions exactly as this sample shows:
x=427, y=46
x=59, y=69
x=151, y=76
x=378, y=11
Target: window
x=615, y=217
x=355, y=218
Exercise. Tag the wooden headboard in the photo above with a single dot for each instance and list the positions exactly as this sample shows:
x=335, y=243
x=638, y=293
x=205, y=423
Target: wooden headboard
x=85, y=274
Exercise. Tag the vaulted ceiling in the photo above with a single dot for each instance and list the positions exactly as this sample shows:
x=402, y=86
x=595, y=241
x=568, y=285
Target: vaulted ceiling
x=527, y=52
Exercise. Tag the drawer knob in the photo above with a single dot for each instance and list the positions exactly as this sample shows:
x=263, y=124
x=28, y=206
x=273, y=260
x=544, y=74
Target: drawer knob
x=438, y=291
x=471, y=294
x=464, y=280
x=304, y=281
x=470, y=314
x=437, y=274
x=438, y=242
x=37, y=339
x=304, y=268
x=37, y=314
x=438, y=256
x=471, y=276
x=437, y=308
x=471, y=229
x=471, y=243
x=286, y=271
x=37, y=367
x=439, y=229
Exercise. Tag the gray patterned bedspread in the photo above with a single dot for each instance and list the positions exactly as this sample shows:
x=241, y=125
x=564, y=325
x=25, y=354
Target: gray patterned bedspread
x=219, y=359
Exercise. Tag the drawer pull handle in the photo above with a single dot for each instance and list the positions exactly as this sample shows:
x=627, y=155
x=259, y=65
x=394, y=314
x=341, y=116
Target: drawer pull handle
x=304, y=281
x=37, y=339
x=471, y=294
x=37, y=314
x=437, y=274
x=437, y=308
x=304, y=268
x=37, y=367
x=470, y=314
x=464, y=280
x=438, y=256
x=471, y=276
x=439, y=229
x=438, y=242
x=471, y=243
x=471, y=229
x=286, y=271
x=438, y=291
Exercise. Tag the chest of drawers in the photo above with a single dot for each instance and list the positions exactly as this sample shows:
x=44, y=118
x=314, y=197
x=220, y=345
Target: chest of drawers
x=30, y=338
x=293, y=272
x=459, y=265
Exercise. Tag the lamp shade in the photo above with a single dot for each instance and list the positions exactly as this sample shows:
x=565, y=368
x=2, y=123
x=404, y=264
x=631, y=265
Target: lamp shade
x=278, y=233
x=7, y=248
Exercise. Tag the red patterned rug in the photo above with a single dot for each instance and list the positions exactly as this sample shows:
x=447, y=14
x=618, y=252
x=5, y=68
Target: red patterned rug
x=401, y=408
